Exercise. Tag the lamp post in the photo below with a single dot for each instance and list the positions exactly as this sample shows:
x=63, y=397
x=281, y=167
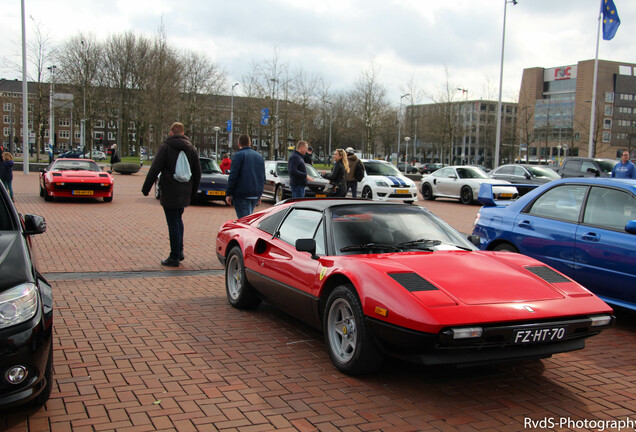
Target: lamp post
x=330, y=119
x=406, y=153
x=275, y=81
x=503, y=42
x=399, y=119
x=83, y=122
x=465, y=93
x=232, y=115
x=51, y=108
x=216, y=143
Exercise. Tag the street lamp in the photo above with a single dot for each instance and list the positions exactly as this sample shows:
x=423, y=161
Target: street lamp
x=83, y=122
x=503, y=42
x=216, y=144
x=399, y=119
x=465, y=93
x=232, y=115
x=51, y=108
x=330, y=118
x=406, y=153
x=275, y=81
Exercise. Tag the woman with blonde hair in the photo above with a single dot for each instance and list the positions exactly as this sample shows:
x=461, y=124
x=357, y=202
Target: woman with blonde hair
x=6, y=172
x=338, y=176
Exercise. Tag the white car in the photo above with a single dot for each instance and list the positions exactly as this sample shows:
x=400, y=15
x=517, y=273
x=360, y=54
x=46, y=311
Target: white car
x=461, y=182
x=96, y=155
x=383, y=182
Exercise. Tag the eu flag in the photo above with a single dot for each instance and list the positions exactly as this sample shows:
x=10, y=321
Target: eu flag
x=611, y=21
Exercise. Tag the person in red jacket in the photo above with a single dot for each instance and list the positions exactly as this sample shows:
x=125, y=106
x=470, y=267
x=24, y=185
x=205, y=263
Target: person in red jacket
x=226, y=163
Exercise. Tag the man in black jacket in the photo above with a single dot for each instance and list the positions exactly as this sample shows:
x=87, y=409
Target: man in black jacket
x=298, y=171
x=175, y=195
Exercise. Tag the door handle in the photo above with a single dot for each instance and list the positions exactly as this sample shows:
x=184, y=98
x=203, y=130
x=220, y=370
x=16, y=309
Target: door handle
x=593, y=237
x=525, y=224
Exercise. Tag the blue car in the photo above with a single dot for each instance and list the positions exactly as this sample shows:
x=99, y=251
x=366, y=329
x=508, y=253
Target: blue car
x=583, y=227
x=213, y=185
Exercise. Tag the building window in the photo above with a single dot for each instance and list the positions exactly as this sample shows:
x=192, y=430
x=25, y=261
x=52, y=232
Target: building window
x=606, y=137
x=98, y=135
x=65, y=122
x=607, y=124
x=99, y=123
x=7, y=106
x=609, y=109
x=609, y=97
x=78, y=133
x=112, y=136
x=6, y=119
x=6, y=131
x=65, y=134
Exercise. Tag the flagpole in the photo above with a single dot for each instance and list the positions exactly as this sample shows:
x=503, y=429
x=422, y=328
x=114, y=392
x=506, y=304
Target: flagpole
x=590, y=148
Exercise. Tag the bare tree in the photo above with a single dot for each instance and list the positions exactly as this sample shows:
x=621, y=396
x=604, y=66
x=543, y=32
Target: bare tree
x=370, y=104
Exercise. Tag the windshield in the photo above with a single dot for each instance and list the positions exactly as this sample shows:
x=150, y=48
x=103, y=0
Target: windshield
x=62, y=165
x=380, y=168
x=312, y=172
x=391, y=228
x=542, y=172
x=471, y=172
x=606, y=165
x=209, y=166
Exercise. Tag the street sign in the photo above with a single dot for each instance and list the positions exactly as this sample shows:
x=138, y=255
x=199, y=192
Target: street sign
x=265, y=117
x=229, y=126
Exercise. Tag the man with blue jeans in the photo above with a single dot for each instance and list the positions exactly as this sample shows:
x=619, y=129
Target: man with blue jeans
x=247, y=179
x=298, y=171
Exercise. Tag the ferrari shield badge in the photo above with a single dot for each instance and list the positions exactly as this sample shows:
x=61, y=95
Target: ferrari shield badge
x=323, y=272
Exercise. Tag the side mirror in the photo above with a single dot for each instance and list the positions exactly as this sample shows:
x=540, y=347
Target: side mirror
x=630, y=227
x=474, y=239
x=34, y=224
x=42, y=170
x=528, y=176
x=593, y=171
x=307, y=245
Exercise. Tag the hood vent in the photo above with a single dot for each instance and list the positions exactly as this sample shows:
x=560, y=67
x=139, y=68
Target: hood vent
x=413, y=282
x=103, y=175
x=57, y=174
x=547, y=274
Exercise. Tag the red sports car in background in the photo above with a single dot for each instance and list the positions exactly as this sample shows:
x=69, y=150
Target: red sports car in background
x=73, y=178
x=382, y=278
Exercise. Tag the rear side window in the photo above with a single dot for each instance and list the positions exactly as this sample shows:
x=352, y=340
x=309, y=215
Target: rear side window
x=562, y=202
x=270, y=223
x=572, y=168
x=609, y=208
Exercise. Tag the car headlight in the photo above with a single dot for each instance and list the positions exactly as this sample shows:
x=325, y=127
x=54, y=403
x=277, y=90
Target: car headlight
x=18, y=305
x=381, y=183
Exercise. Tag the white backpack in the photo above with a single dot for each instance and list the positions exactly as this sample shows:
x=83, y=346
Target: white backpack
x=182, y=171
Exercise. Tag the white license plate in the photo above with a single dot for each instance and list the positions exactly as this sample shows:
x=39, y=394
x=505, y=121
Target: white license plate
x=539, y=335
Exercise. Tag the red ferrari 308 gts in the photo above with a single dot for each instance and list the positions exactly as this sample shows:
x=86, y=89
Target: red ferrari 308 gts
x=75, y=178
x=393, y=279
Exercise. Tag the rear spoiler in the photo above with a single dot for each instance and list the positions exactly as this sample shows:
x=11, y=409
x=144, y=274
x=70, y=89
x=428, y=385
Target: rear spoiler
x=487, y=196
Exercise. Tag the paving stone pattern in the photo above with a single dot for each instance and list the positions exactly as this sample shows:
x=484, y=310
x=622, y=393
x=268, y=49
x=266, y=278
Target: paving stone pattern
x=141, y=348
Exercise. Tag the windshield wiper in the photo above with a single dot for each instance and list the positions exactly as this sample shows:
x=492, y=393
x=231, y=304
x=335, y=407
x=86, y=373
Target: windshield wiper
x=421, y=243
x=369, y=246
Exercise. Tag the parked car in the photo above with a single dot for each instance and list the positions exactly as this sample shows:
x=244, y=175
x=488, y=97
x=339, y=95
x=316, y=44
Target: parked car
x=524, y=174
x=461, y=182
x=383, y=182
x=26, y=312
x=278, y=186
x=429, y=168
x=407, y=168
x=75, y=178
x=586, y=167
x=213, y=184
x=73, y=154
x=388, y=278
x=585, y=228
x=96, y=155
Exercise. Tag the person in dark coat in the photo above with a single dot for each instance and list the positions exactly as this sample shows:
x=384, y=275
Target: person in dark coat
x=339, y=172
x=298, y=171
x=247, y=179
x=6, y=172
x=351, y=177
x=114, y=156
x=175, y=195
x=308, y=157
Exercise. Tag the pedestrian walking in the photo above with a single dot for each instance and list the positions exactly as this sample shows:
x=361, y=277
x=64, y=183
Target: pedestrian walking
x=338, y=175
x=6, y=172
x=175, y=194
x=625, y=168
x=352, y=183
x=114, y=156
x=298, y=177
x=226, y=163
x=247, y=178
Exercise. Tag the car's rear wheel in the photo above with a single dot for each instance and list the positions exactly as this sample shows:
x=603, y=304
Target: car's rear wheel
x=367, y=193
x=349, y=341
x=278, y=194
x=466, y=195
x=240, y=294
x=505, y=247
x=427, y=192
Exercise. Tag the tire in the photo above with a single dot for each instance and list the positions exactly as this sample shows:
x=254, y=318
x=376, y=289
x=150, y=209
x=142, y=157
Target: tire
x=367, y=193
x=240, y=294
x=46, y=195
x=349, y=341
x=108, y=199
x=279, y=194
x=466, y=195
x=427, y=192
x=44, y=396
x=505, y=247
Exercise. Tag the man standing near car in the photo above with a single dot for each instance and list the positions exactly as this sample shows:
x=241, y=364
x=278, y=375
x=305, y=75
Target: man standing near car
x=352, y=183
x=175, y=195
x=297, y=170
x=247, y=179
x=625, y=168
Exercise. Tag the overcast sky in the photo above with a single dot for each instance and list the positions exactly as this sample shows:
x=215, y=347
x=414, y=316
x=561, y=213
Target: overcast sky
x=409, y=40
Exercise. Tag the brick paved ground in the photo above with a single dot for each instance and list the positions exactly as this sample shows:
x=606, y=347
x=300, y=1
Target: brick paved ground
x=142, y=348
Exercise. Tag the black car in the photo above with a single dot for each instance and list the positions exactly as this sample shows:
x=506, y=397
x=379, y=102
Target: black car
x=277, y=183
x=72, y=154
x=429, y=168
x=26, y=312
x=586, y=167
x=213, y=185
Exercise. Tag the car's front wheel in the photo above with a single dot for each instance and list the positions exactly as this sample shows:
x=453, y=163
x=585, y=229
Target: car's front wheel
x=349, y=341
x=466, y=195
x=367, y=193
x=240, y=294
x=278, y=194
x=46, y=195
x=427, y=192
x=505, y=247
x=108, y=199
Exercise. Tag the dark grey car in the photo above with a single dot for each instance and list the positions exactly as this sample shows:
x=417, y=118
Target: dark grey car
x=586, y=167
x=525, y=174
